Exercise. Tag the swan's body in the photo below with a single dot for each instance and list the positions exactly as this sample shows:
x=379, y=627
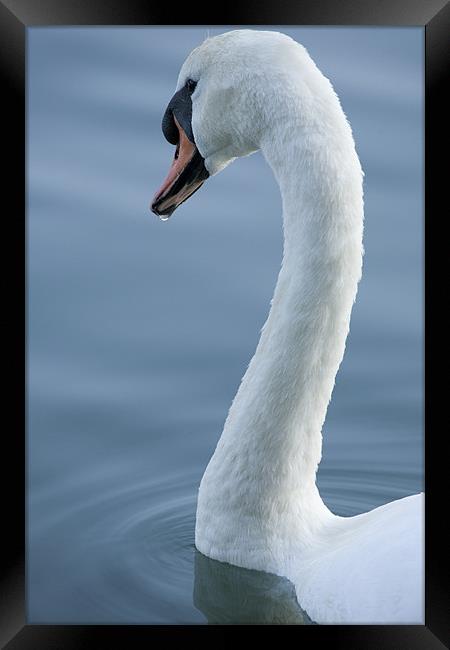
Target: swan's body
x=258, y=504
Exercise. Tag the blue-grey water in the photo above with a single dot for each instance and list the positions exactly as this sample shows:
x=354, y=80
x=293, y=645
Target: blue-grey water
x=139, y=331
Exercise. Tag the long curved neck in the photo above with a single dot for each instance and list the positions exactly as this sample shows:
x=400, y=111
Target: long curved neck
x=267, y=457
x=283, y=397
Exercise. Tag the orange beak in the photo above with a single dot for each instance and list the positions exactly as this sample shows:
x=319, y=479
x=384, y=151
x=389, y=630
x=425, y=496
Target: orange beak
x=186, y=175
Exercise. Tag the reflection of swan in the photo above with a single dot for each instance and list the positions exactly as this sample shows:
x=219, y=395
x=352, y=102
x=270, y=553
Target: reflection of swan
x=228, y=594
x=258, y=504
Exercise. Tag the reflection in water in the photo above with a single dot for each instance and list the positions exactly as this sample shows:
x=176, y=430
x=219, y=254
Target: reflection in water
x=227, y=594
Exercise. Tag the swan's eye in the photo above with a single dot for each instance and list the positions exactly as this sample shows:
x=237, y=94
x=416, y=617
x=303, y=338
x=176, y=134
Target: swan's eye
x=190, y=85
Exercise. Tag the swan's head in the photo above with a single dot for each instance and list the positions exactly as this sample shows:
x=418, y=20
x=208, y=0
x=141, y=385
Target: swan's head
x=224, y=98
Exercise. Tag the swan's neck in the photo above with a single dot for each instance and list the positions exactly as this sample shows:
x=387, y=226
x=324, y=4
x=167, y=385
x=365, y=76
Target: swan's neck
x=264, y=468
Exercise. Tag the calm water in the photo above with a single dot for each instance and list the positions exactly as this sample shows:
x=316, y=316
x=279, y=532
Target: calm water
x=139, y=331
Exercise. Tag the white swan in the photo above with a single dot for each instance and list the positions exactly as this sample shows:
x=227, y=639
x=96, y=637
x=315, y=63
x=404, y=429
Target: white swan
x=258, y=504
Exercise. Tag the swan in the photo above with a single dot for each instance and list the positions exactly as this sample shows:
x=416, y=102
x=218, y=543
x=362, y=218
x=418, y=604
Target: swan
x=258, y=503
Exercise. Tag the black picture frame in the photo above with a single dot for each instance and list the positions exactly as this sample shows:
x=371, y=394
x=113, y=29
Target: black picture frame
x=15, y=17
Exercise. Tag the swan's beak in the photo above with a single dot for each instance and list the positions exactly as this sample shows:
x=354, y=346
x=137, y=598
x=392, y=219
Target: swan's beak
x=186, y=175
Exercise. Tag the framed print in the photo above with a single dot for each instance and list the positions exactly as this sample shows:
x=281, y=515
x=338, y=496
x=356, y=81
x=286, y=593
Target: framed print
x=139, y=323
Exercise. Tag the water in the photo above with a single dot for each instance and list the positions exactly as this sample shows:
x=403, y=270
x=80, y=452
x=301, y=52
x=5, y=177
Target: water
x=139, y=331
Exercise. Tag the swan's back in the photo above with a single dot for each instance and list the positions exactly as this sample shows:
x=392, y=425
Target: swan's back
x=368, y=568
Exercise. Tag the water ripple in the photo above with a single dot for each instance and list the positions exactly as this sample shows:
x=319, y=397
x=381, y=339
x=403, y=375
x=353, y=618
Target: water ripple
x=132, y=551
